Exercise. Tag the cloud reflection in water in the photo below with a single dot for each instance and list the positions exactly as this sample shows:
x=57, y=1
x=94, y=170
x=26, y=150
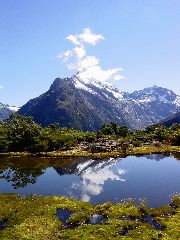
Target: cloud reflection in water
x=93, y=175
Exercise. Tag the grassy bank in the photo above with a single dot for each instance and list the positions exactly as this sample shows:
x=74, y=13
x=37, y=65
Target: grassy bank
x=34, y=218
x=79, y=153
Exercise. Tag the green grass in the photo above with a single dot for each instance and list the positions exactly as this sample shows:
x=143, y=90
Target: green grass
x=79, y=153
x=34, y=218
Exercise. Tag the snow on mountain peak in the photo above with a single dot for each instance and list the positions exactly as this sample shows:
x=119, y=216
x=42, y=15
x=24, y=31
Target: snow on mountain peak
x=13, y=108
x=153, y=94
x=177, y=101
x=79, y=84
x=86, y=105
x=94, y=86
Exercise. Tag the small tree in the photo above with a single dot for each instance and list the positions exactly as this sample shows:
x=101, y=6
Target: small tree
x=114, y=129
x=22, y=132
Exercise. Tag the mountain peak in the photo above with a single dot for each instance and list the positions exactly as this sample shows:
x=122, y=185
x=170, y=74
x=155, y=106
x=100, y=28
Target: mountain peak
x=154, y=94
x=6, y=110
x=84, y=104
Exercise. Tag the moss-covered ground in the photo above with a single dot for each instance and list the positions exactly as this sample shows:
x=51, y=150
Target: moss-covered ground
x=34, y=217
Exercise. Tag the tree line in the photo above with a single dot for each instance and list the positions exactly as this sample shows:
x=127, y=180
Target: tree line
x=20, y=133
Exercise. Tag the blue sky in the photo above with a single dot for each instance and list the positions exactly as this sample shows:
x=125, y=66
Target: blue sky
x=141, y=36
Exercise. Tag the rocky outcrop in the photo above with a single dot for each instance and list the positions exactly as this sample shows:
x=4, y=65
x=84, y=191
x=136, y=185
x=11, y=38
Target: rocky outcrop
x=104, y=145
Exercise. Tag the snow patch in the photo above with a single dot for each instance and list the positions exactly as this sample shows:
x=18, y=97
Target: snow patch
x=13, y=108
x=147, y=99
x=85, y=85
x=177, y=101
x=80, y=85
x=117, y=94
x=163, y=98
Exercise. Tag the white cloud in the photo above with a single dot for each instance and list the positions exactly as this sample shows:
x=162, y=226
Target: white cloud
x=82, y=65
x=67, y=54
x=93, y=177
x=73, y=39
x=88, y=67
x=87, y=36
x=118, y=77
x=80, y=52
x=97, y=73
x=1, y=86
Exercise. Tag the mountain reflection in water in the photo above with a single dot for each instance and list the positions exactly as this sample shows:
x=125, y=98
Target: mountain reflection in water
x=23, y=171
x=93, y=175
x=154, y=177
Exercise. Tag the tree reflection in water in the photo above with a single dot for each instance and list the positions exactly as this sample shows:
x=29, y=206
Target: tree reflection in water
x=22, y=171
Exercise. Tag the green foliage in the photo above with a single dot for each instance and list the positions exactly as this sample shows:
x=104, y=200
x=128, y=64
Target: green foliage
x=114, y=129
x=22, y=134
x=159, y=133
x=4, y=142
x=175, y=202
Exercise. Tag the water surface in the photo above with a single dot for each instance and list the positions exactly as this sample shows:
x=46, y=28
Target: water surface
x=154, y=177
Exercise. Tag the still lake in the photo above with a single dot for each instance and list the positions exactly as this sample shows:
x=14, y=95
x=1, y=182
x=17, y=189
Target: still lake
x=153, y=177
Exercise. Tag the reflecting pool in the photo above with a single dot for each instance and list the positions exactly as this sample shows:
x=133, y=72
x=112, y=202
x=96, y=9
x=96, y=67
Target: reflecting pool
x=153, y=177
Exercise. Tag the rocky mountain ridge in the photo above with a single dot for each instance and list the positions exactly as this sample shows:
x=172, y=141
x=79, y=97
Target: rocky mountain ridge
x=73, y=102
x=6, y=110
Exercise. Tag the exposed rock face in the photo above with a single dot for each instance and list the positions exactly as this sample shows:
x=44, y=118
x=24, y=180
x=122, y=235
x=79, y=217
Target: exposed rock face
x=74, y=103
x=161, y=101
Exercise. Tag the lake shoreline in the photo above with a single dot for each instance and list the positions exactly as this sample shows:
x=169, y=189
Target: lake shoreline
x=76, y=152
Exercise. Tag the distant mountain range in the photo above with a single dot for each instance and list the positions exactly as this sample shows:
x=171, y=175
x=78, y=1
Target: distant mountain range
x=73, y=102
x=6, y=110
x=171, y=120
